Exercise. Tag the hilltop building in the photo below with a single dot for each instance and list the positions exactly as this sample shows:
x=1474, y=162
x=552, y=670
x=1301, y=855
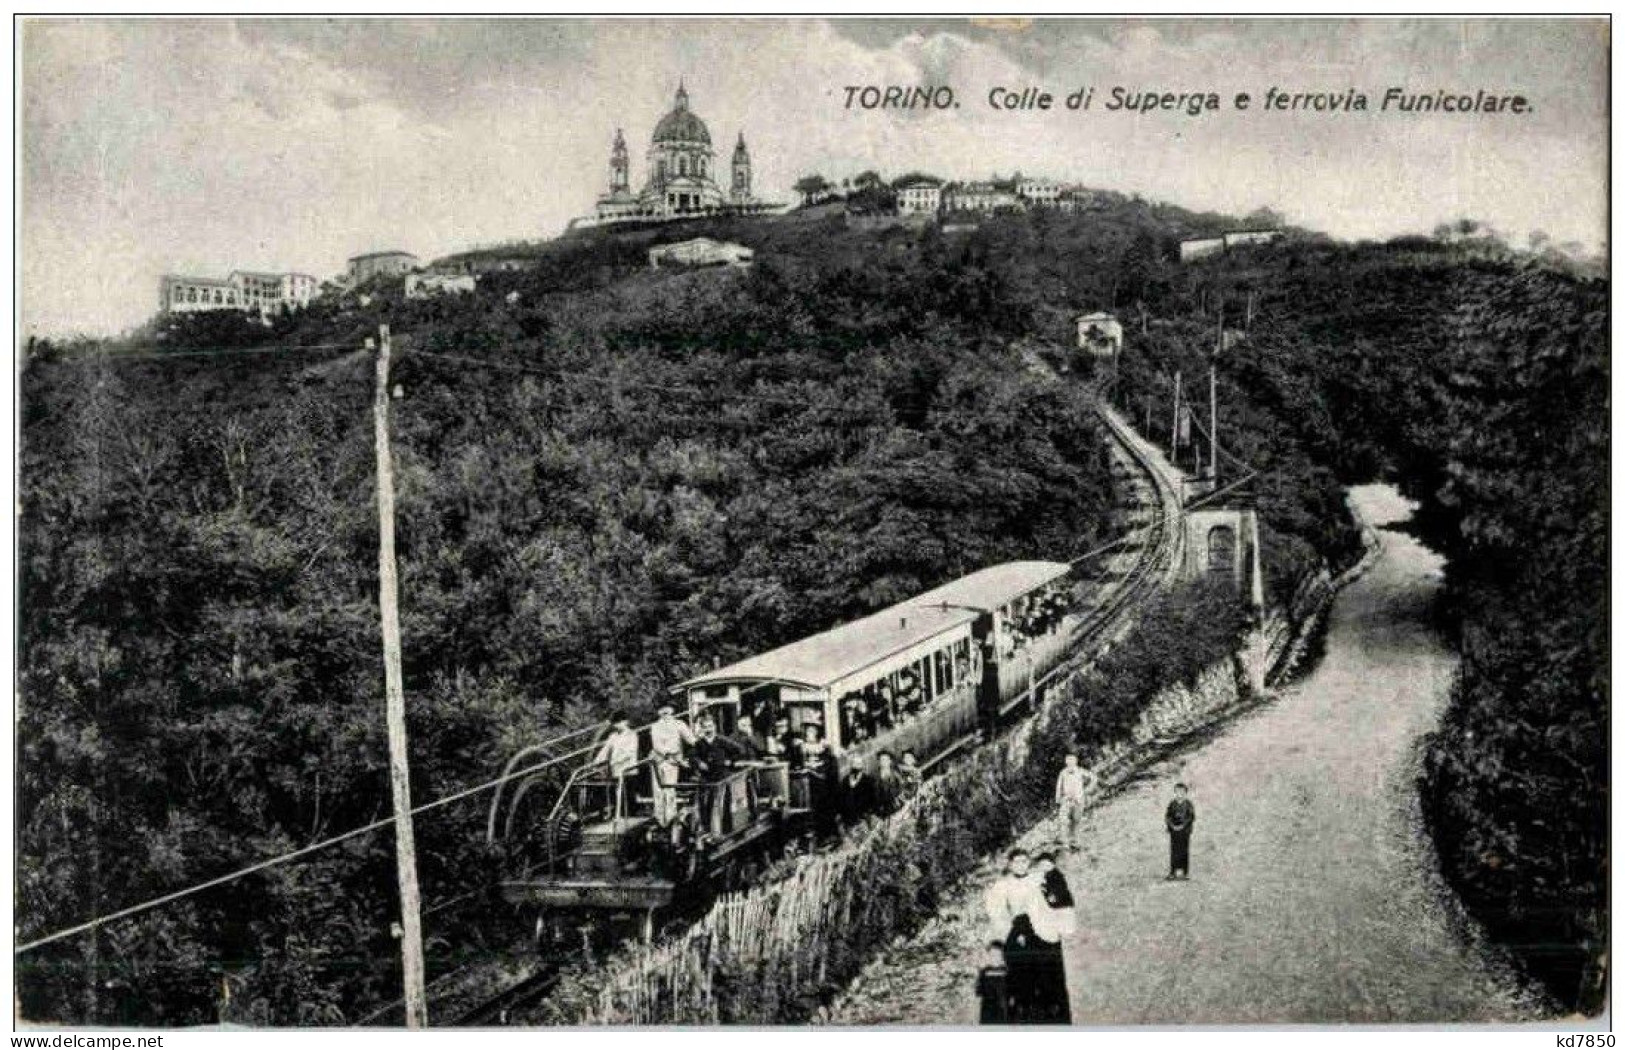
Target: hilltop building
x=242, y=290
x=1040, y=192
x=982, y=196
x=372, y=264
x=918, y=195
x=681, y=180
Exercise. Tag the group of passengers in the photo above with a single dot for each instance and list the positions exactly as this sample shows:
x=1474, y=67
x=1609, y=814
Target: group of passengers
x=1039, y=615
x=707, y=756
x=868, y=712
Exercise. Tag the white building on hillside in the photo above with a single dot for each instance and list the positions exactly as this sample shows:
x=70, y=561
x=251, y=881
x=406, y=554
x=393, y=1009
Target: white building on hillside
x=1100, y=334
x=700, y=251
x=426, y=285
x=1040, y=192
x=982, y=196
x=373, y=264
x=1241, y=237
x=918, y=195
x=1200, y=248
x=242, y=290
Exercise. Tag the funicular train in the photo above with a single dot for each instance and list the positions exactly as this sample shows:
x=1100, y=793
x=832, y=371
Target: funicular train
x=931, y=675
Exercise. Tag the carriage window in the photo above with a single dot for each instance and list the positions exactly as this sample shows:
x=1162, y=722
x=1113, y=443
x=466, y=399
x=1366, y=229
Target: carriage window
x=907, y=685
x=877, y=695
x=803, y=715
x=923, y=671
x=1221, y=549
x=857, y=725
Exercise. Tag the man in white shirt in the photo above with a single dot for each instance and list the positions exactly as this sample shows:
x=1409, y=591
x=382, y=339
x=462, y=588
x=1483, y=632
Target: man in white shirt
x=1072, y=790
x=667, y=738
x=620, y=755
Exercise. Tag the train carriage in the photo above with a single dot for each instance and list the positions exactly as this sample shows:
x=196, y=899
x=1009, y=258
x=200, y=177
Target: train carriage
x=926, y=675
x=929, y=675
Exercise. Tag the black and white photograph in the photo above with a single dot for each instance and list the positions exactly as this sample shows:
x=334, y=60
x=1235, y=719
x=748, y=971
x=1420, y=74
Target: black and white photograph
x=779, y=522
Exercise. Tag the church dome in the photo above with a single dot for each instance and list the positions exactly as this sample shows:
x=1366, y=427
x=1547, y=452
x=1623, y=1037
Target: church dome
x=681, y=125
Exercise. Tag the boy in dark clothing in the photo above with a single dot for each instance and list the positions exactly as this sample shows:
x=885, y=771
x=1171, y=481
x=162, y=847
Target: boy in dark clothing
x=1180, y=818
x=857, y=796
x=889, y=786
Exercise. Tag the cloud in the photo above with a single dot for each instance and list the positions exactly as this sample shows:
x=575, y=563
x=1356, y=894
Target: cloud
x=200, y=146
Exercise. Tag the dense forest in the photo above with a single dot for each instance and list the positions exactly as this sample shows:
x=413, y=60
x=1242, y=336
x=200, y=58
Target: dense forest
x=610, y=477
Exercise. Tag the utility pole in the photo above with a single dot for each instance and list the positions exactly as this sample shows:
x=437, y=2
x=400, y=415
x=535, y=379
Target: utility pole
x=1173, y=441
x=389, y=615
x=1213, y=399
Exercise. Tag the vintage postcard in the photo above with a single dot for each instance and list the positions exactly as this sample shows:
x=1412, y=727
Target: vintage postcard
x=812, y=521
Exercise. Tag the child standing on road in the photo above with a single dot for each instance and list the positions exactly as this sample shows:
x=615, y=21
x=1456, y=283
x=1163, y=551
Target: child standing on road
x=1180, y=818
x=1072, y=790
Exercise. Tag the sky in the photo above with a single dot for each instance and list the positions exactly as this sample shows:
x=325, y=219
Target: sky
x=201, y=146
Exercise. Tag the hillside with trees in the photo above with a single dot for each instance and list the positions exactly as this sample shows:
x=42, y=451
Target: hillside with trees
x=611, y=477
x=608, y=479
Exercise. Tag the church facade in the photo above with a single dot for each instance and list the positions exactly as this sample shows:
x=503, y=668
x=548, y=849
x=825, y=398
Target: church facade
x=681, y=175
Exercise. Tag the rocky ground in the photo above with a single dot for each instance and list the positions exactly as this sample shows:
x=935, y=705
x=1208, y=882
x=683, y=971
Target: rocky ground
x=1313, y=896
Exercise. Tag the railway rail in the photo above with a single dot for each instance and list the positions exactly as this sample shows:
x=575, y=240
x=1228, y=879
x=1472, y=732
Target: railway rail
x=1156, y=547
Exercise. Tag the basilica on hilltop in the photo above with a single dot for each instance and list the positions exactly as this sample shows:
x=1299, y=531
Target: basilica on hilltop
x=681, y=177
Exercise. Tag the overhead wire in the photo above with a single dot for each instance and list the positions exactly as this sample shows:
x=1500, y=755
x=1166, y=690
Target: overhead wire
x=303, y=851
x=170, y=355
x=458, y=796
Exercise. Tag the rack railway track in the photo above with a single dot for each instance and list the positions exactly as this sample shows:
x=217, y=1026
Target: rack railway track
x=1153, y=548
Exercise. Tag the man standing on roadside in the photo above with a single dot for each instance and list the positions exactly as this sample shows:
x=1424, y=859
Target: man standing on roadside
x=1072, y=790
x=1180, y=818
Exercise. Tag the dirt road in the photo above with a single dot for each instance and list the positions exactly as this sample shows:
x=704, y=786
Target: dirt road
x=1311, y=897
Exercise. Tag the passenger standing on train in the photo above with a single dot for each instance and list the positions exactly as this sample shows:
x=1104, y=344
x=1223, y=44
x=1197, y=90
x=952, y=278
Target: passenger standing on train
x=1072, y=790
x=812, y=749
x=911, y=773
x=620, y=755
x=713, y=757
x=780, y=742
x=1180, y=818
x=857, y=796
x=818, y=759
x=890, y=789
x=667, y=738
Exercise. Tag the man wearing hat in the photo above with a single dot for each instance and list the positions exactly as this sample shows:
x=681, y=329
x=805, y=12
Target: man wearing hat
x=620, y=754
x=1180, y=818
x=667, y=738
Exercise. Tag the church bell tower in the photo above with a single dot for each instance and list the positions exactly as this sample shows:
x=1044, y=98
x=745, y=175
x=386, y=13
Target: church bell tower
x=739, y=193
x=619, y=166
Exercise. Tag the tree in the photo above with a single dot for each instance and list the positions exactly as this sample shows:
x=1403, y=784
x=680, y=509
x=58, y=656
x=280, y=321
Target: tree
x=812, y=188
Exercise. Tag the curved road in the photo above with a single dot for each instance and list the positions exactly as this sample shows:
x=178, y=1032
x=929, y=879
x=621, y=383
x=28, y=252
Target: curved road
x=1311, y=897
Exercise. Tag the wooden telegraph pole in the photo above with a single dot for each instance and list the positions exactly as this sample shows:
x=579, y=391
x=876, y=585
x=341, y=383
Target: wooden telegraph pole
x=406, y=864
x=1213, y=399
x=1173, y=441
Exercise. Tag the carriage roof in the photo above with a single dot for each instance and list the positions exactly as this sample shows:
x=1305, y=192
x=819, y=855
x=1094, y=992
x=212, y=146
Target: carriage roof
x=996, y=585
x=823, y=659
